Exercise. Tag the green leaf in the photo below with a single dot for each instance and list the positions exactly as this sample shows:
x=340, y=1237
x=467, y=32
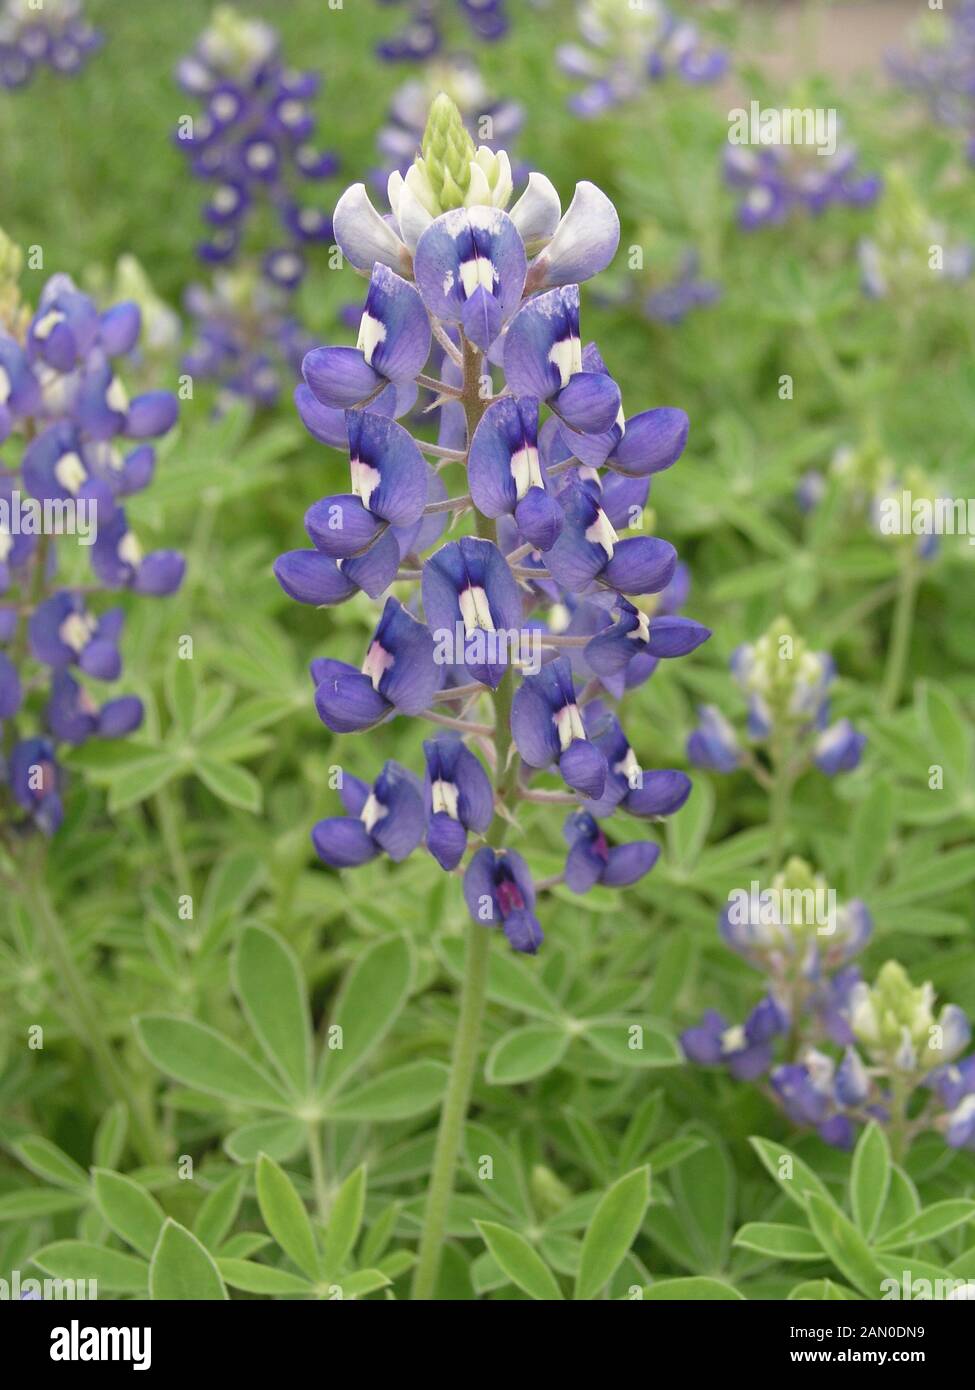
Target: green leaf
x=694, y=1290
x=110, y=1136
x=510, y=981
x=704, y=1194
x=29, y=1202
x=344, y=1222
x=929, y=1224
x=216, y=1216
x=628, y=1042
x=871, y=830
x=781, y=1242
x=77, y=1259
x=230, y=783
x=285, y=1215
x=396, y=1095
x=48, y=1161
x=949, y=732
x=795, y=1178
x=271, y=989
x=687, y=831
x=506, y=1184
x=181, y=1269
x=611, y=1232
x=844, y=1245
x=822, y=1291
x=363, y=1281
x=280, y=1138
x=200, y=1057
x=256, y=1278
x=525, y=1053
x=368, y=1005
x=132, y=1212
x=180, y=684
x=523, y=1265
x=140, y=780
x=870, y=1178
x=673, y=1151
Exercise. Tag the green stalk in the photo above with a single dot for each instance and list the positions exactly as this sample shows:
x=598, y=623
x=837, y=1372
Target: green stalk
x=900, y=637
x=319, y=1182
x=474, y=988
x=780, y=801
x=88, y=1019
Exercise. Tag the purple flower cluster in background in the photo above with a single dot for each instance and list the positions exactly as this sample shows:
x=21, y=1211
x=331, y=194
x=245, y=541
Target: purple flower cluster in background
x=56, y=35
x=246, y=337
x=74, y=446
x=892, y=1061
x=509, y=640
x=254, y=142
x=940, y=70
x=788, y=688
x=778, y=182
x=625, y=47
x=422, y=36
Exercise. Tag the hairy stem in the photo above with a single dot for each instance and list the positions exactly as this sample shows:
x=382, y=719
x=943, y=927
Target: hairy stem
x=900, y=637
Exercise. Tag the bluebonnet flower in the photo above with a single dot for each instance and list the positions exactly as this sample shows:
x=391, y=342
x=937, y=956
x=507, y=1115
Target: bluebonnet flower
x=489, y=299
x=254, y=142
x=940, y=70
x=625, y=47
x=422, y=36
x=907, y=248
x=672, y=300
x=386, y=818
x=890, y=1045
x=787, y=687
x=778, y=182
x=247, y=339
x=55, y=35
x=86, y=449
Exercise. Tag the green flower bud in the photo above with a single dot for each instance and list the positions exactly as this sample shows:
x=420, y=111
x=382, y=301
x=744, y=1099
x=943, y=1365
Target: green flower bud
x=14, y=314
x=448, y=151
x=893, y=1018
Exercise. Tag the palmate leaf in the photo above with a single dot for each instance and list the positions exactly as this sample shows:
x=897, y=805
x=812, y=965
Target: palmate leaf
x=696, y=1289
x=131, y=1211
x=844, y=1245
x=114, y=1271
x=525, y=1053
x=369, y=1003
x=48, y=1161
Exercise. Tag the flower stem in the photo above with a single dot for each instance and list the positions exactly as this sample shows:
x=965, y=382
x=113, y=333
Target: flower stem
x=317, y=1161
x=454, y=1111
x=780, y=798
x=900, y=637
x=145, y=1135
x=474, y=988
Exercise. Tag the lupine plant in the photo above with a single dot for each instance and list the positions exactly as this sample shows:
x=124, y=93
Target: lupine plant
x=55, y=35
x=787, y=688
x=423, y=35
x=74, y=448
x=624, y=48
x=506, y=639
x=254, y=146
x=899, y=1065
